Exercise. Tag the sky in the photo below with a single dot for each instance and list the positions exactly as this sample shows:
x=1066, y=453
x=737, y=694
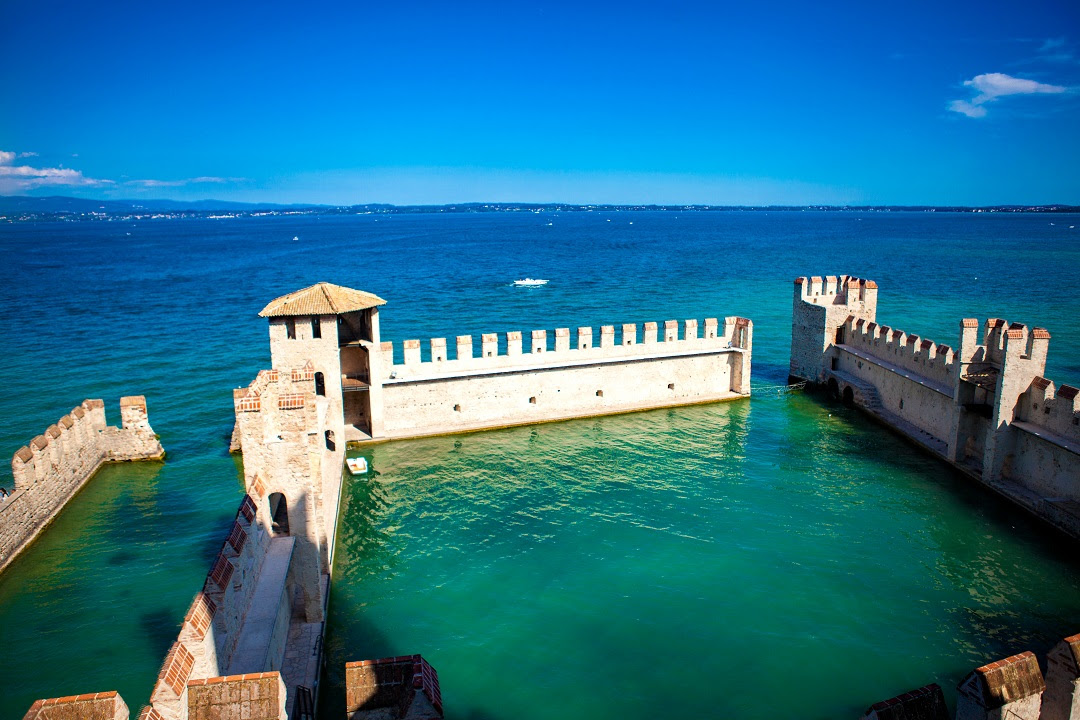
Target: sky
x=766, y=103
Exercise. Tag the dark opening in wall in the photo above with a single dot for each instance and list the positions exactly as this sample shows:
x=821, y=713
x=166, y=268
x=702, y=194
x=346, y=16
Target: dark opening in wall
x=290, y=328
x=457, y=408
x=533, y=400
x=330, y=445
x=279, y=511
x=671, y=386
x=840, y=335
x=599, y=393
x=836, y=363
x=316, y=328
x=849, y=396
x=320, y=384
x=901, y=403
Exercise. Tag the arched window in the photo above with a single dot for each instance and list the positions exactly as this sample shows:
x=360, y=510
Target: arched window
x=330, y=445
x=279, y=511
x=320, y=384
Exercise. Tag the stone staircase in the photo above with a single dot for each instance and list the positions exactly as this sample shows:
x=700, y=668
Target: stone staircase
x=868, y=399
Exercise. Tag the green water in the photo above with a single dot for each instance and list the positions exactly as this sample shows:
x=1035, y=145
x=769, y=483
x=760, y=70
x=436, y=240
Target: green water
x=747, y=560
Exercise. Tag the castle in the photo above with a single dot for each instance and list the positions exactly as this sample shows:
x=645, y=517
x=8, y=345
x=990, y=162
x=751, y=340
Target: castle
x=250, y=644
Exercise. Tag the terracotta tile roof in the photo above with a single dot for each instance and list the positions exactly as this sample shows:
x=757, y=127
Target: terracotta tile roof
x=321, y=299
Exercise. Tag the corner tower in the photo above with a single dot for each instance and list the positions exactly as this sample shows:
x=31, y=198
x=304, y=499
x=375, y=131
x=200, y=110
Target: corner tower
x=335, y=331
x=818, y=315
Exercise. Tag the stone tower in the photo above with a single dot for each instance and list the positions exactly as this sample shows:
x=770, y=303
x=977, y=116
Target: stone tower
x=336, y=330
x=818, y=315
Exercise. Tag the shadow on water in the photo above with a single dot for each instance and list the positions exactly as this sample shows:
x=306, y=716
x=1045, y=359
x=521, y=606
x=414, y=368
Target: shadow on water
x=214, y=537
x=159, y=628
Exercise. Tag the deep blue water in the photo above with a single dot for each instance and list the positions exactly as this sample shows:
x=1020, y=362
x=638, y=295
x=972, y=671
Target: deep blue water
x=168, y=309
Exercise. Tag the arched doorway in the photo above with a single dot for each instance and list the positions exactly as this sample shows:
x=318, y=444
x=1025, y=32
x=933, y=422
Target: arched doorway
x=834, y=389
x=279, y=511
x=849, y=396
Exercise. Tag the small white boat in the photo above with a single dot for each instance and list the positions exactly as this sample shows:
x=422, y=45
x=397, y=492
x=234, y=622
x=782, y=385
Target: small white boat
x=529, y=282
x=357, y=466
x=296, y=238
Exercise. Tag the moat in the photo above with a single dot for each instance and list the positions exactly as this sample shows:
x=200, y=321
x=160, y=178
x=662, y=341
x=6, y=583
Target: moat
x=613, y=563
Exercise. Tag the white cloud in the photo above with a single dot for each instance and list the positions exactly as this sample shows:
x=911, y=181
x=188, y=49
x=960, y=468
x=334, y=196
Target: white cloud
x=19, y=178
x=27, y=154
x=989, y=87
x=963, y=106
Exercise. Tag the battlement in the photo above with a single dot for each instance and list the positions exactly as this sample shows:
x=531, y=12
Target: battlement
x=844, y=290
x=53, y=466
x=613, y=345
x=1002, y=339
x=1057, y=411
x=908, y=351
x=285, y=390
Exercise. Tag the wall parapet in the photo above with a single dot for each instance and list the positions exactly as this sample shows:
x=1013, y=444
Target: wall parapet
x=709, y=336
x=1057, y=411
x=52, y=467
x=924, y=357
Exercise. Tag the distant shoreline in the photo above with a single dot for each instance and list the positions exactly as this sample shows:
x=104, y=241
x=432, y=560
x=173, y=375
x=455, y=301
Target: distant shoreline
x=38, y=209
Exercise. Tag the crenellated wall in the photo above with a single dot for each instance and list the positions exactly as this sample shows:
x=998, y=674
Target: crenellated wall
x=577, y=377
x=925, y=358
x=56, y=464
x=974, y=406
x=239, y=622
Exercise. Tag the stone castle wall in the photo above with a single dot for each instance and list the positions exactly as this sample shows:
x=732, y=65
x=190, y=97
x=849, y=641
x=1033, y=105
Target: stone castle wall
x=983, y=407
x=1046, y=456
x=471, y=391
x=55, y=465
x=226, y=630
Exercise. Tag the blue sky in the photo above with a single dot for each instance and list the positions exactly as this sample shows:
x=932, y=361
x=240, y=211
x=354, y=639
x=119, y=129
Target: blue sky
x=762, y=103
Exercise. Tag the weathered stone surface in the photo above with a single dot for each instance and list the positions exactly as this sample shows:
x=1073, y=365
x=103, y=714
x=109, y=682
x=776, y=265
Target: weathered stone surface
x=254, y=696
x=1011, y=688
x=91, y=706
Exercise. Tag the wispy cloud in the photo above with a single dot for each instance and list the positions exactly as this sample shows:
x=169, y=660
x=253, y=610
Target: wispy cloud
x=991, y=86
x=203, y=179
x=19, y=178
x=1056, y=50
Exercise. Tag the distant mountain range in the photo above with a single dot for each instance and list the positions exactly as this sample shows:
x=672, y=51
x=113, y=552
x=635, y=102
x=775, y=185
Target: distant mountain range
x=25, y=207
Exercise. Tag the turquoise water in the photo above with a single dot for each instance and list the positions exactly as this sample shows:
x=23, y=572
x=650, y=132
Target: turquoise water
x=693, y=560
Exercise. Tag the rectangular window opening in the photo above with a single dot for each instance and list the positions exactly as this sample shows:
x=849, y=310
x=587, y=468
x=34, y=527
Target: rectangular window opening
x=316, y=328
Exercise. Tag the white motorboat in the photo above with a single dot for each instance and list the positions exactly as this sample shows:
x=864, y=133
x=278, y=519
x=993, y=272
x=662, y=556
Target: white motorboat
x=529, y=282
x=357, y=465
